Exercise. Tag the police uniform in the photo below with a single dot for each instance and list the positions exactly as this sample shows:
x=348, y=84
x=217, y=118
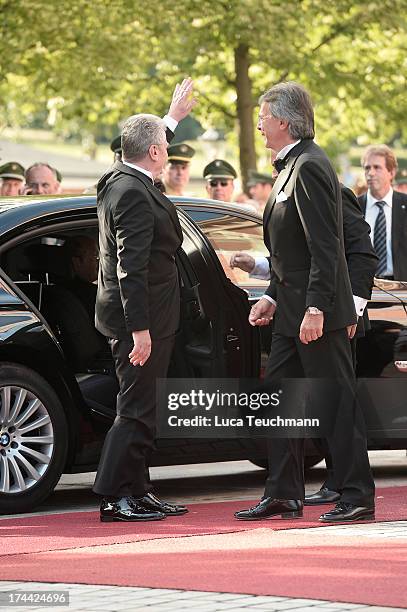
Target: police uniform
x=218, y=169
x=12, y=171
x=259, y=177
x=180, y=153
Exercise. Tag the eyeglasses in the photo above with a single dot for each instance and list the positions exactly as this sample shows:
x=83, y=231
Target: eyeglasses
x=263, y=117
x=215, y=182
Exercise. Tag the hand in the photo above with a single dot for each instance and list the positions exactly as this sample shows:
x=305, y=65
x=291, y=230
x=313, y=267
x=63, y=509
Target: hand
x=351, y=330
x=262, y=313
x=311, y=327
x=244, y=261
x=142, y=347
x=182, y=100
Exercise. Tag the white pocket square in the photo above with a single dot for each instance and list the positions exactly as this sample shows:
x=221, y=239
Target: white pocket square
x=281, y=197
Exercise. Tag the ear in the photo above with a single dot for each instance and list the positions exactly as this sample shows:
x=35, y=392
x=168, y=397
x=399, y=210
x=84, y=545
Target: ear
x=153, y=152
x=283, y=125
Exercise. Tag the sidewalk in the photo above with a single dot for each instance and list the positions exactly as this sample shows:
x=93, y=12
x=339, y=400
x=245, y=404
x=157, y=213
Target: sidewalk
x=133, y=599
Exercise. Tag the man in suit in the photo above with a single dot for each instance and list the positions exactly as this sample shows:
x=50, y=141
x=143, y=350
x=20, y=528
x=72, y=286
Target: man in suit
x=311, y=297
x=137, y=307
x=362, y=263
x=386, y=212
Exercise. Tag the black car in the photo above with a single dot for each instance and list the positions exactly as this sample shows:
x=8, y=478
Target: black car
x=57, y=383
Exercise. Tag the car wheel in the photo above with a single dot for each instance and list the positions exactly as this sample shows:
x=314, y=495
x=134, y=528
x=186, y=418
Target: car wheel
x=33, y=439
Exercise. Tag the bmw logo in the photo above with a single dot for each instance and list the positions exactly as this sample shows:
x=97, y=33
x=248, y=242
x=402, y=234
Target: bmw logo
x=4, y=439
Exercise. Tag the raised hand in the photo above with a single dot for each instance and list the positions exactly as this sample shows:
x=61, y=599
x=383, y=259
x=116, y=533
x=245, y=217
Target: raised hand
x=183, y=100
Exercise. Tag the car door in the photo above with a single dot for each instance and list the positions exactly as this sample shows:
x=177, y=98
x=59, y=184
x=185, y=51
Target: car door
x=217, y=338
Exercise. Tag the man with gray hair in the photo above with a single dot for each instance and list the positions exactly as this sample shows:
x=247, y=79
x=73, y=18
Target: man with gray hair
x=310, y=299
x=42, y=179
x=137, y=307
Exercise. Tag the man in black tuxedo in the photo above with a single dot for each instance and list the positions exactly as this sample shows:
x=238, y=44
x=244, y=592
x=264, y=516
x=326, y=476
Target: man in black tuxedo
x=311, y=297
x=137, y=307
x=362, y=263
x=386, y=212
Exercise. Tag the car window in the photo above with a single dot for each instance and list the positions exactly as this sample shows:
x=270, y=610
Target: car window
x=229, y=234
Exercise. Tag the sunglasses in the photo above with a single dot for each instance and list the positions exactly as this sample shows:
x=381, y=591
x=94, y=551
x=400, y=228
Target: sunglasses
x=215, y=182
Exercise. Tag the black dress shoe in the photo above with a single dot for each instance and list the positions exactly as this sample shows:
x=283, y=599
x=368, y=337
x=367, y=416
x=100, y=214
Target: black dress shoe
x=347, y=513
x=323, y=496
x=126, y=509
x=269, y=507
x=152, y=503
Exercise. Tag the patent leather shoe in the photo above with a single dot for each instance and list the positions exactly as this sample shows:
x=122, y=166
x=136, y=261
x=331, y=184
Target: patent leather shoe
x=323, y=496
x=152, y=503
x=126, y=509
x=348, y=513
x=269, y=507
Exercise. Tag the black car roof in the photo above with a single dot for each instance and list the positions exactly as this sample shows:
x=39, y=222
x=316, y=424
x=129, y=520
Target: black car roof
x=25, y=209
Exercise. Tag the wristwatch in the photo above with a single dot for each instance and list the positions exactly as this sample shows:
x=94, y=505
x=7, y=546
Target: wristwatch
x=313, y=310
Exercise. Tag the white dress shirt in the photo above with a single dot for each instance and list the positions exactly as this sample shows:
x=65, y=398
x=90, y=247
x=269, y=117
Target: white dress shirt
x=280, y=155
x=140, y=169
x=371, y=215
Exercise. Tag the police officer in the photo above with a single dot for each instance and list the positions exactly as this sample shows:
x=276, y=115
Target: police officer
x=176, y=172
x=220, y=176
x=260, y=186
x=12, y=179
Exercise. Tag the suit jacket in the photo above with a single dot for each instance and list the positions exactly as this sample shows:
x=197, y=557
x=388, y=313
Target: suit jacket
x=139, y=234
x=303, y=230
x=398, y=232
x=359, y=252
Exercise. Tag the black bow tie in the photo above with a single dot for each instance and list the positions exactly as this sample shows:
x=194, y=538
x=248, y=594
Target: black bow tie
x=280, y=164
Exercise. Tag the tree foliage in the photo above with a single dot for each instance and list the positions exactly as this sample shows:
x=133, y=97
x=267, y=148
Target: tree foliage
x=91, y=64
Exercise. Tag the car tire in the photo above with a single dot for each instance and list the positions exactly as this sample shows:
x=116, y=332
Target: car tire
x=33, y=439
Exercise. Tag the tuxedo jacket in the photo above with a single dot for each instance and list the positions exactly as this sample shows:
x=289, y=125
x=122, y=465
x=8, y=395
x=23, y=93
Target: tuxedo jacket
x=303, y=230
x=139, y=234
x=398, y=232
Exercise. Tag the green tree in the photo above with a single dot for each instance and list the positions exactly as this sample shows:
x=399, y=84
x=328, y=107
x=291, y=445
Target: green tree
x=95, y=63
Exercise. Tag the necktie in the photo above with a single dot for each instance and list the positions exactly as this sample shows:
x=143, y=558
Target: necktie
x=279, y=164
x=379, y=239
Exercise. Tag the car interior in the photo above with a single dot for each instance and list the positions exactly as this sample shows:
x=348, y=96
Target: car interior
x=41, y=268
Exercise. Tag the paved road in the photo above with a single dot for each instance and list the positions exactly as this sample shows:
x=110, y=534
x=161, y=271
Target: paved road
x=210, y=482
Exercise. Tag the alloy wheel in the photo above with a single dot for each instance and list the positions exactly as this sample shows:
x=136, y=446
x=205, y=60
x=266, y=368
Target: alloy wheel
x=26, y=439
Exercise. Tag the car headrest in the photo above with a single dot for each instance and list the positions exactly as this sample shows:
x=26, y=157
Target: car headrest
x=46, y=259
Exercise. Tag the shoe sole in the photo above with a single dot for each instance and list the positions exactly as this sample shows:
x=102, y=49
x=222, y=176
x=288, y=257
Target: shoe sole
x=366, y=518
x=176, y=513
x=115, y=519
x=284, y=515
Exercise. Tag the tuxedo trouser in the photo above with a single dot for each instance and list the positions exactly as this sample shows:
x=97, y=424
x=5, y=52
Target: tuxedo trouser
x=130, y=440
x=328, y=357
x=322, y=446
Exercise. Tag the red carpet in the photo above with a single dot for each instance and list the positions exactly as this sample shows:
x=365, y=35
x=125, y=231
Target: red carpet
x=78, y=529
x=369, y=574
x=348, y=570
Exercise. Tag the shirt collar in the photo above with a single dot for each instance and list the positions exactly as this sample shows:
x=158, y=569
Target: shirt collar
x=371, y=201
x=143, y=170
x=285, y=150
